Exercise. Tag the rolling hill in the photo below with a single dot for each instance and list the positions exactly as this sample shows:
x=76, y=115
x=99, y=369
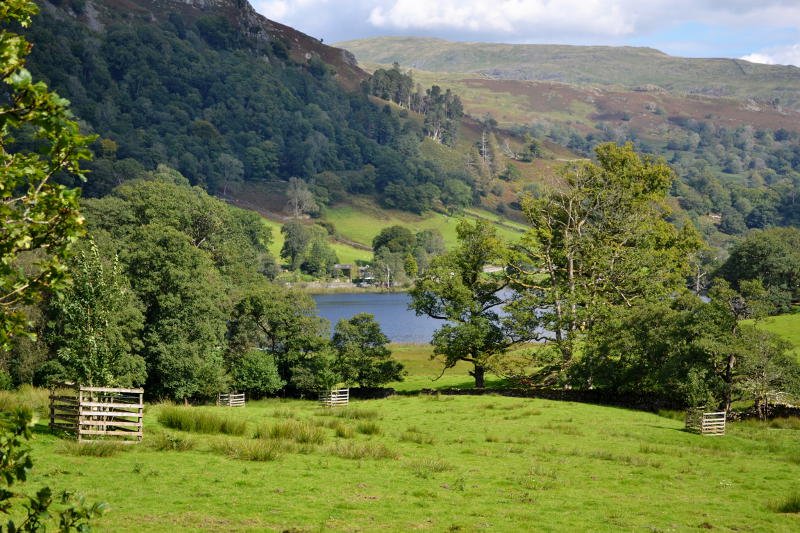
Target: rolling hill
x=628, y=67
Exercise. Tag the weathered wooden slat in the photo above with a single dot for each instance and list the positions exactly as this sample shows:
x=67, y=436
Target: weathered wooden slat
x=121, y=441
x=104, y=432
x=121, y=405
x=112, y=389
x=65, y=399
x=110, y=423
x=64, y=427
x=112, y=413
x=65, y=408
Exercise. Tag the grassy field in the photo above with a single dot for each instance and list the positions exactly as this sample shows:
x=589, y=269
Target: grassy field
x=431, y=463
x=787, y=326
x=362, y=221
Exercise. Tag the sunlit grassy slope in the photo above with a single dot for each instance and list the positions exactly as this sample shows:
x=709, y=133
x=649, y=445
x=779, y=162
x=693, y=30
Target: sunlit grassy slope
x=787, y=326
x=361, y=222
x=431, y=463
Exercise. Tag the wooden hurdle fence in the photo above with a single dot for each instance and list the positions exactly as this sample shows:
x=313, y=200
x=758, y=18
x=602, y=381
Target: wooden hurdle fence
x=705, y=423
x=230, y=399
x=97, y=413
x=334, y=397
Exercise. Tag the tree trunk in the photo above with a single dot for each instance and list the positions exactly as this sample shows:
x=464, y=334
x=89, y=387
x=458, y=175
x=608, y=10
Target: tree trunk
x=479, y=374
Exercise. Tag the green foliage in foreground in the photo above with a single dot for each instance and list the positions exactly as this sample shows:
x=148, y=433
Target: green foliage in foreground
x=28, y=513
x=441, y=463
x=39, y=218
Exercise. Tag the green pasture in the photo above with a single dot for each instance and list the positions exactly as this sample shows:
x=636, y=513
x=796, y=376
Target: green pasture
x=346, y=254
x=361, y=223
x=435, y=463
x=787, y=326
x=430, y=463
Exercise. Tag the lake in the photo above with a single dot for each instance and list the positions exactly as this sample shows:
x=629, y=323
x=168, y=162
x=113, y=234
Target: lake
x=390, y=310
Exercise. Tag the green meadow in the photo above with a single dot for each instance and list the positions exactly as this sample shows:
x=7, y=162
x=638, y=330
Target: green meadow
x=361, y=222
x=429, y=463
x=787, y=326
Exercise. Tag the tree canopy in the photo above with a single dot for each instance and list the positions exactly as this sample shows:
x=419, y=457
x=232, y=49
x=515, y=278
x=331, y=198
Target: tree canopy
x=39, y=218
x=598, y=240
x=455, y=289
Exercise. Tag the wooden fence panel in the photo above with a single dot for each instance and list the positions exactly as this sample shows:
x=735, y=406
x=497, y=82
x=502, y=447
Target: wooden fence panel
x=98, y=412
x=334, y=398
x=706, y=423
x=231, y=399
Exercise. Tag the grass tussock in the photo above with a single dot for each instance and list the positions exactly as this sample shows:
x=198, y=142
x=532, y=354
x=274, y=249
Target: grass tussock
x=91, y=449
x=199, y=421
x=340, y=429
x=343, y=431
x=301, y=432
x=564, y=429
x=34, y=399
x=417, y=437
x=165, y=441
x=355, y=413
x=368, y=428
x=425, y=468
x=646, y=447
x=284, y=412
x=363, y=450
x=785, y=423
x=629, y=460
x=790, y=504
x=251, y=450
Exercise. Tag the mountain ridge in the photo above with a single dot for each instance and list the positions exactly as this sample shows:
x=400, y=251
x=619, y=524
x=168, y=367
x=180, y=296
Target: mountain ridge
x=586, y=65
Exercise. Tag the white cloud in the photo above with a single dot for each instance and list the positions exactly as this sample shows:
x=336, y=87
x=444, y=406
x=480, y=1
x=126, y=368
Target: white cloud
x=596, y=17
x=515, y=17
x=564, y=21
x=777, y=55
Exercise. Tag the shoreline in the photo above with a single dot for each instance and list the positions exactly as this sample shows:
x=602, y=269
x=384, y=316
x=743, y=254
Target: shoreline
x=323, y=287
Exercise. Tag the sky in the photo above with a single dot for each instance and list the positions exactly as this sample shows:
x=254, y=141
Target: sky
x=762, y=31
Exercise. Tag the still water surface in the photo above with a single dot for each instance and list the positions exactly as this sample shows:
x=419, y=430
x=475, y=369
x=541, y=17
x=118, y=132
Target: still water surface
x=390, y=310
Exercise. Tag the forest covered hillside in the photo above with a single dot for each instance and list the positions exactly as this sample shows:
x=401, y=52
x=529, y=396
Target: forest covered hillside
x=226, y=96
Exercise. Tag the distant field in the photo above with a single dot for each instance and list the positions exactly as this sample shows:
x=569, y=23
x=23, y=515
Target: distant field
x=787, y=326
x=593, y=66
x=362, y=222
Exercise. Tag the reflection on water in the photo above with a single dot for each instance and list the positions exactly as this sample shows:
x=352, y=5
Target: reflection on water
x=390, y=310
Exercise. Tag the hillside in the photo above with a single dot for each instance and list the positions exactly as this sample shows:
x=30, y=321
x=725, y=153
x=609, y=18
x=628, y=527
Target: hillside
x=229, y=98
x=588, y=65
x=738, y=161
x=515, y=102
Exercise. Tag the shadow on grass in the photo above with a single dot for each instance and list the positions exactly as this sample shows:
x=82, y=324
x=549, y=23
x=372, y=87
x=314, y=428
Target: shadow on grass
x=468, y=383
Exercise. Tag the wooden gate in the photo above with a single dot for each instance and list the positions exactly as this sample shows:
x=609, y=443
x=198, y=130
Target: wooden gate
x=230, y=399
x=705, y=423
x=97, y=413
x=334, y=398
